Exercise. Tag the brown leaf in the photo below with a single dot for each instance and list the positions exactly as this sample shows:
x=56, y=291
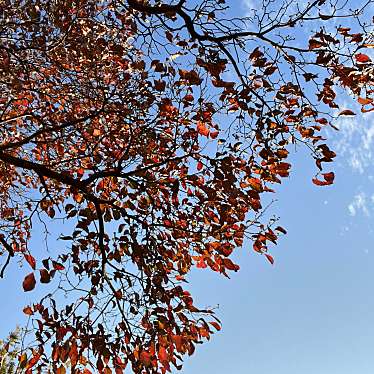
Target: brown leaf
x=315, y=44
x=31, y=260
x=230, y=265
x=29, y=282
x=347, y=112
x=281, y=229
x=329, y=177
x=44, y=276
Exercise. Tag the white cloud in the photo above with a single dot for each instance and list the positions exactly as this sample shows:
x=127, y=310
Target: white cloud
x=249, y=5
x=360, y=203
x=354, y=143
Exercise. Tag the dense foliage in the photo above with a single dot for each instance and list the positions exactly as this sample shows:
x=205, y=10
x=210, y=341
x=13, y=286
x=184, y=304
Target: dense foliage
x=151, y=130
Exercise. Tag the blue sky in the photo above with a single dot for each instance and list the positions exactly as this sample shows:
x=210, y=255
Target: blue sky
x=313, y=311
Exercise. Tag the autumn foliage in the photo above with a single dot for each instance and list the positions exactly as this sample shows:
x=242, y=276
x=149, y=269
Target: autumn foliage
x=147, y=132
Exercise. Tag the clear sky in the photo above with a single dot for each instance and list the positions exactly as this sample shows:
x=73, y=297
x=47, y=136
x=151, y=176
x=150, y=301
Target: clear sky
x=312, y=312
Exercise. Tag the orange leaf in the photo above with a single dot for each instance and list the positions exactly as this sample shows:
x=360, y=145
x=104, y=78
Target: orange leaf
x=360, y=57
x=202, y=129
x=178, y=341
x=364, y=101
x=344, y=30
x=28, y=311
x=256, y=184
x=61, y=370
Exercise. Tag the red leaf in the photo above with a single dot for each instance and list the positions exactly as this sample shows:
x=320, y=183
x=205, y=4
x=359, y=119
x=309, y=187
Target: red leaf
x=214, y=134
x=29, y=282
x=317, y=182
x=33, y=361
x=199, y=165
x=145, y=358
x=360, y=57
x=216, y=325
x=31, y=260
x=270, y=258
x=163, y=355
x=58, y=266
x=99, y=364
x=192, y=77
x=118, y=294
x=329, y=177
x=201, y=264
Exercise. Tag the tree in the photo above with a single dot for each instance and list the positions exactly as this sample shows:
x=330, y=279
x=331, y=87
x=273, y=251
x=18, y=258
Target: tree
x=9, y=350
x=152, y=129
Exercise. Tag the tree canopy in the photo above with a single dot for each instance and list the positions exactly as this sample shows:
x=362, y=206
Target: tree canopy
x=151, y=130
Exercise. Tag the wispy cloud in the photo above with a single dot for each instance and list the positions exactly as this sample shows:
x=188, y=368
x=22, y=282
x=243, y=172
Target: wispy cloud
x=249, y=5
x=361, y=204
x=354, y=143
